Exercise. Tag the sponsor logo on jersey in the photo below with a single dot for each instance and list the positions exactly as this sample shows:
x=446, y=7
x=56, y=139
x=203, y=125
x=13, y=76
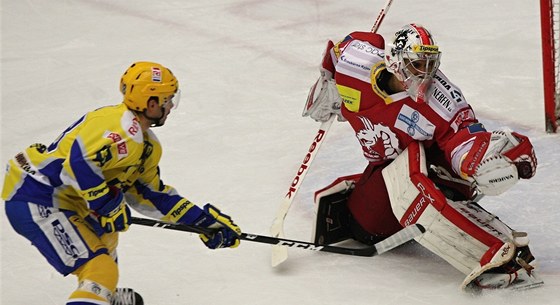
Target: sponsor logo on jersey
x=347, y=60
x=95, y=192
x=414, y=124
x=64, y=240
x=366, y=48
x=181, y=210
x=443, y=100
x=135, y=127
x=115, y=137
x=122, y=149
x=461, y=117
x=357, y=60
x=453, y=92
x=44, y=212
x=350, y=97
x=24, y=164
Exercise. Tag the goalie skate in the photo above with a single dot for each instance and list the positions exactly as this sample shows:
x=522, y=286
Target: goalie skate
x=511, y=271
x=519, y=281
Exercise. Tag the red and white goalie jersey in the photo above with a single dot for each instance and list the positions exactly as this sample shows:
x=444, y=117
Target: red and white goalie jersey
x=385, y=123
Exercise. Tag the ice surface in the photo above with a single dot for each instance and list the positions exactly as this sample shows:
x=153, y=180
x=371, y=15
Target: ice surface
x=238, y=138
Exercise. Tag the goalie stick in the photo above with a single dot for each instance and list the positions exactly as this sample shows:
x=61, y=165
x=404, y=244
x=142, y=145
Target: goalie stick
x=389, y=243
x=280, y=254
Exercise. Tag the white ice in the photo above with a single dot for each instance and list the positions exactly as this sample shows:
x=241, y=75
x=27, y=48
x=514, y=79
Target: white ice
x=238, y=138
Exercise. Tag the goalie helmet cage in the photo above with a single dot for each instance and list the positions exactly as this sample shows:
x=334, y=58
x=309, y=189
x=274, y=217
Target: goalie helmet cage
x=550, y=32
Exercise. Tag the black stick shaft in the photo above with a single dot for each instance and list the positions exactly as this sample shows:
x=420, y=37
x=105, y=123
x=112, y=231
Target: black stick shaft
x=407, y=234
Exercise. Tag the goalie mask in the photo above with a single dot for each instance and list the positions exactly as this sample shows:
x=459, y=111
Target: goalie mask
x=413, y=57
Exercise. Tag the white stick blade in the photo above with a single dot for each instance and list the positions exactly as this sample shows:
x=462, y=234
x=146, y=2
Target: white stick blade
x=403, y=236
x=279, y=255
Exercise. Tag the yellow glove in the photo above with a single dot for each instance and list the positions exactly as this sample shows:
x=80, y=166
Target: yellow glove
x=227, y=232
x=114, y=215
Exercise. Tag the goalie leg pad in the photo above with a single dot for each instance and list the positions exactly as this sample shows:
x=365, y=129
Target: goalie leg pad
x=459, y=232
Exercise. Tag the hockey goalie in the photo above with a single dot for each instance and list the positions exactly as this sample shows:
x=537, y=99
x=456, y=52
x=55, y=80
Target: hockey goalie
x=430, y=159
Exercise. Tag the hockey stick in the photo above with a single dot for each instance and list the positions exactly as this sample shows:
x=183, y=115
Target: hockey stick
x=279, y=253
x=391, y=242
x=381, y=16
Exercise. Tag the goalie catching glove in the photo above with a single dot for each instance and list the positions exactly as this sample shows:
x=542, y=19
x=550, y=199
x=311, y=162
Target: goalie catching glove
x=226, y=233
x=323, y=99
x=506, y=157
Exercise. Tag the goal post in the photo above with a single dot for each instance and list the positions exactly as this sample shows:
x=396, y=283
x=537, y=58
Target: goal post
x=550, y=33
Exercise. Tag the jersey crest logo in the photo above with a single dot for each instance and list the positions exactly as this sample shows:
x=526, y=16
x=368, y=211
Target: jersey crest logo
x=103, y=155
x=378, y=141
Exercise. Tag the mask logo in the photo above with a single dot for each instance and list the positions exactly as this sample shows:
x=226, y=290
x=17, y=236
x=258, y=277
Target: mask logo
x=400, y=41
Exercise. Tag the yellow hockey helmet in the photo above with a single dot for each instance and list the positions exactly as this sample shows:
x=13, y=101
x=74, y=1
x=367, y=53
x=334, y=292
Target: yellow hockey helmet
x=143, y=80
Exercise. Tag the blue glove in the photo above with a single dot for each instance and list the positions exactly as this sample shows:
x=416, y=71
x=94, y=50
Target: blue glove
x=227, y=232
x=114, y=216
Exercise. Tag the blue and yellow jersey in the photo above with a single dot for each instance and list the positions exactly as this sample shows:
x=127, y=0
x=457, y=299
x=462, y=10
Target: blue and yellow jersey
x=103, y=150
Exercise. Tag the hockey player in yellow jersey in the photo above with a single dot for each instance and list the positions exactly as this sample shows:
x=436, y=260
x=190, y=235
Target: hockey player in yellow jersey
x=70, y=199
